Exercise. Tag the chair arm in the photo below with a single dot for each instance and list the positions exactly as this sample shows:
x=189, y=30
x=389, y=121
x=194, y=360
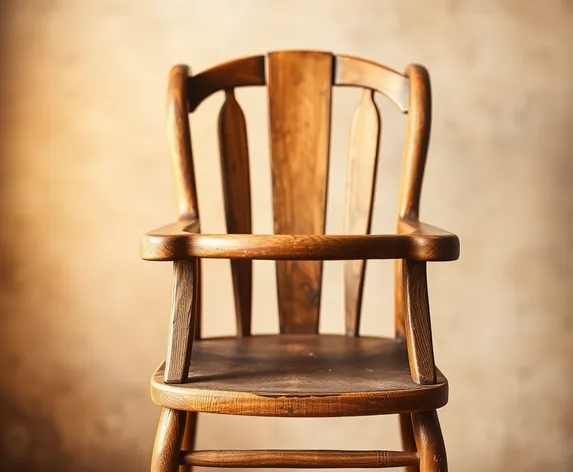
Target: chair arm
x=182, y=241
x=426, y=236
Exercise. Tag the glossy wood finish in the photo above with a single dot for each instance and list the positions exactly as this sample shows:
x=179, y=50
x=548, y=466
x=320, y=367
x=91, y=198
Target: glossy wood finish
x=279, y=458
x=299, y=375
x=183, y=310
x=237, y=195
x=162, y=245
x=167, y=446
x=179, y=139
x=360, y=181
x=357, y=72
x=248, y=71
x=429, y=441
x=300, y=140
x=302, y=374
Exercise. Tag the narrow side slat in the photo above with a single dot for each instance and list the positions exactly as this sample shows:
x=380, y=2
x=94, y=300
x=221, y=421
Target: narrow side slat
x=183, y=311
x=300, y=459
x=234, y=152
x=360, y=182
x=299, y=87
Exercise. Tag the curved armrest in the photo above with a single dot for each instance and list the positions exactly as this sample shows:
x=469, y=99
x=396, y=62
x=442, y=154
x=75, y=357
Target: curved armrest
x=417, y=241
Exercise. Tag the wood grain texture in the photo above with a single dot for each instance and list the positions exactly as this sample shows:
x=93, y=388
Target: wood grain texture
x=360, y=184
x=234, y=152
x=313, y=459
x=189, y=438
x=248, y=71
x=299, y=375
x=179, y=139
x=408, y=440
x=417, y=140
x=164, y=245
x=299, y=86
x=417, y=323
x=429, y=441
x=167, y=446
x=353, y=71
x=183, y=311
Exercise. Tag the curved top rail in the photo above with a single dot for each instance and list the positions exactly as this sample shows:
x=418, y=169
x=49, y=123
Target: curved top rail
x=238, y=73
x=353, y=71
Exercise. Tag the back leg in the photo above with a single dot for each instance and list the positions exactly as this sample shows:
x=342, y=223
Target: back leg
x=189, y=438
x=429, y=441
x=167, y=447
x=408, y=441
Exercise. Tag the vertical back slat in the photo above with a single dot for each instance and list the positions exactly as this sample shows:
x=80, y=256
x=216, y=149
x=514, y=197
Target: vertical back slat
x=299, y=87
x=237, y=195
x=360, y=181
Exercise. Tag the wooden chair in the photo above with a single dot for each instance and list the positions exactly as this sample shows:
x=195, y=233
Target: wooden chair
x=300, y=373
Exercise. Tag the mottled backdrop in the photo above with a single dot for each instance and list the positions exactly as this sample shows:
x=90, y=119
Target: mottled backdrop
x=84, y=171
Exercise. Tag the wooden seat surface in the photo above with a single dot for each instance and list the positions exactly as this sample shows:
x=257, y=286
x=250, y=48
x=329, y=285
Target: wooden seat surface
x=299, y=375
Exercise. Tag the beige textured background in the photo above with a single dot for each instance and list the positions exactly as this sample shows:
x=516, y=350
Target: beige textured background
x=84, y=171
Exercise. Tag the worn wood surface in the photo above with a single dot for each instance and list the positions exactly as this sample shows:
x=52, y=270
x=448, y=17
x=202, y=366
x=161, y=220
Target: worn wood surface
x=299, y=375
x=417, y=323
x=234, y=151
x=302, y=374
x=360, y=184
x=183, y=310
x=429, y=441
x=161, y=246
x=314, y=459
x=353, y=71
x=167, y=446
x=299, y=87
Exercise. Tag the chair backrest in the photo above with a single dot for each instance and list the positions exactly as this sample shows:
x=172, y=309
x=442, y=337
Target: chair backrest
x=299, y=87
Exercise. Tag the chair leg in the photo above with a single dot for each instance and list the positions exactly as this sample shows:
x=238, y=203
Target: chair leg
x=408, y=441
x=429, y=441
x=167, y=447
x=189, y=437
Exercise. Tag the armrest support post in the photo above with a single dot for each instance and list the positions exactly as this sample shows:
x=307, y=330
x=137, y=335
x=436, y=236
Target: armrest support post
x=183, y=319
x=417, y=323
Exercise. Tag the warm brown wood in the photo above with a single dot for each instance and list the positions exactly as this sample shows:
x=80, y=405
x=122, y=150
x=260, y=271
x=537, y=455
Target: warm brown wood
x=179, y=138
x=408, y=441
x=314, y=459
x=237, y=195
x=299, y=85
x=303, y=374
x=362, y=73
x=247, y=71
x=167, y=446
x=417, y=139
x=417, y=323
x=183, y=313
x=399, y=304
x=299, y=375
x=429, y=441
x=158, y=246
x=189, y=438
x=360, y=181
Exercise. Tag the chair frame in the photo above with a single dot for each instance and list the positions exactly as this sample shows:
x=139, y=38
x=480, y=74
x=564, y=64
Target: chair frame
x=413, y=246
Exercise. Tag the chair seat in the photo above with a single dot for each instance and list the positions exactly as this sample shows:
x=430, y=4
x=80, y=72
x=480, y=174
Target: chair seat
x=299, y=375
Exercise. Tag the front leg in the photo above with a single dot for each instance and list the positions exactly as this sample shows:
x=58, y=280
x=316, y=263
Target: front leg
x=167, y=446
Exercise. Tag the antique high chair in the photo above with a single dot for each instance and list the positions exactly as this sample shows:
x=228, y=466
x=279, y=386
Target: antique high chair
x=300, y=373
